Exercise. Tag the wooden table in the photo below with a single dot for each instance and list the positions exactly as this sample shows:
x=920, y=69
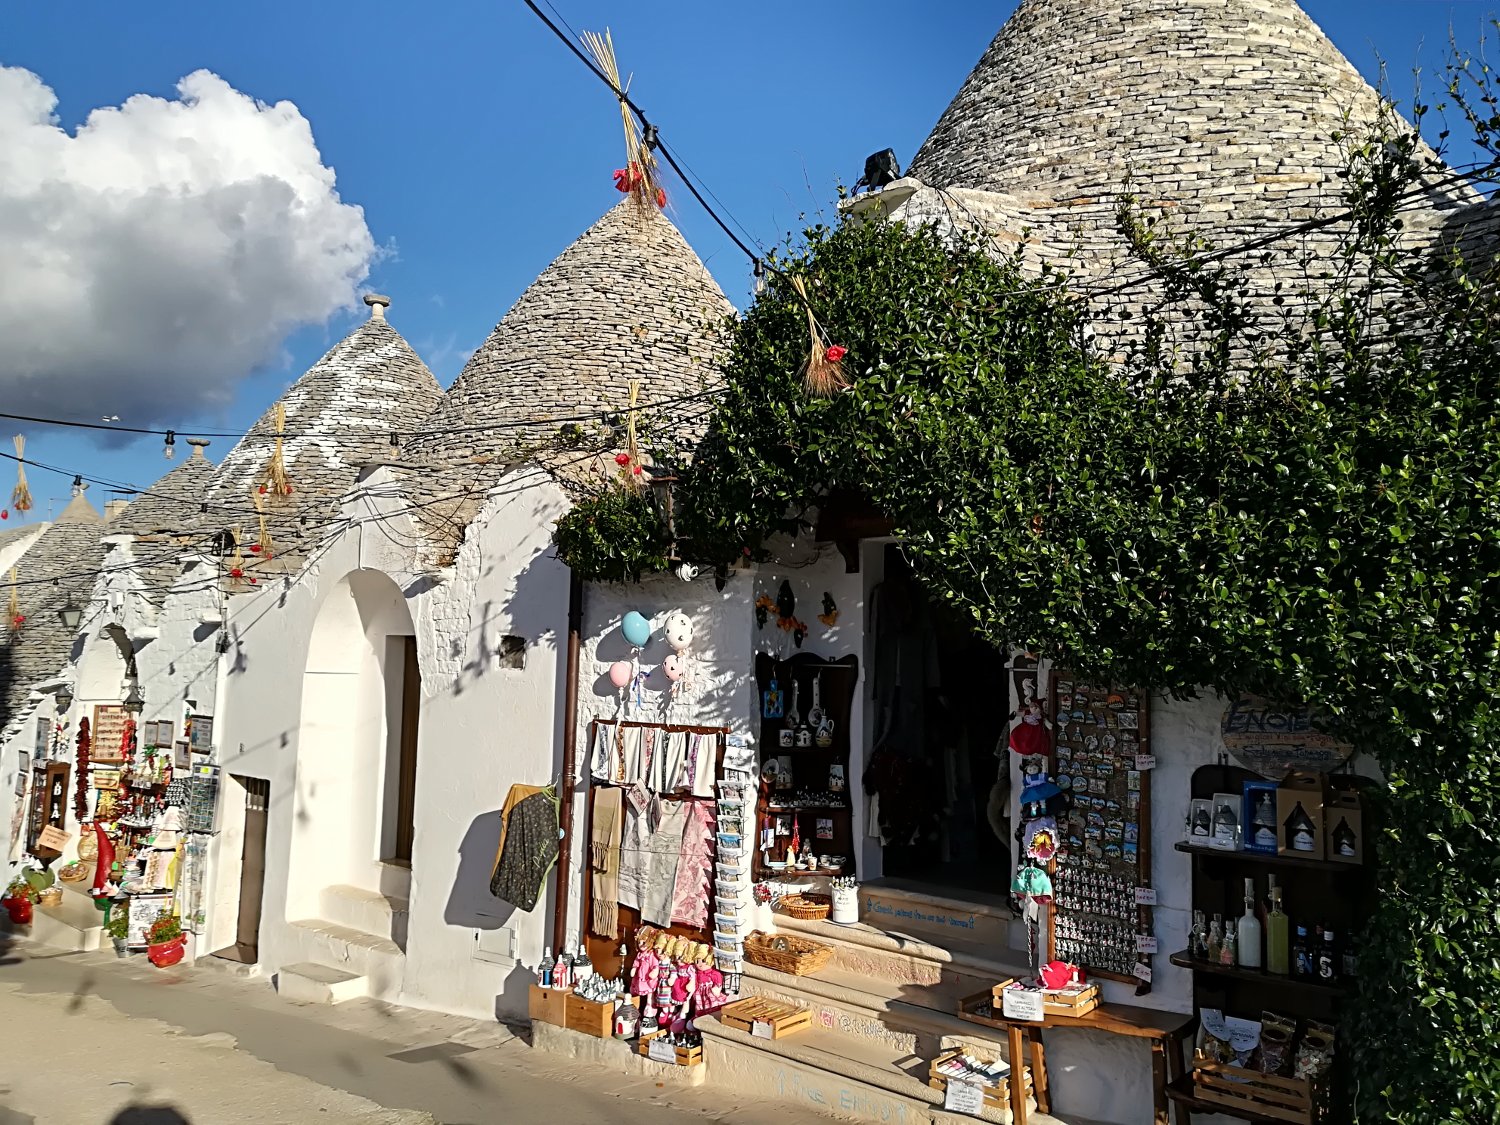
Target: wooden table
x=1165, y=1030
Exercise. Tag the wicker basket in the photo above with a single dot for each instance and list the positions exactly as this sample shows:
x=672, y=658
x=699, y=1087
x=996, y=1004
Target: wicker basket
x=51, y=896
x=787, y=953
x=809, y=908
x=75, y=872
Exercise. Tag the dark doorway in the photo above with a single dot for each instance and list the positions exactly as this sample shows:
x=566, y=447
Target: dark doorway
x=246, y=947
x=941, y=702
x=405, y=811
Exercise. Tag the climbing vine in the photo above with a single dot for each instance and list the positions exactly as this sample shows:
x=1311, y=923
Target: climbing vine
x=1287, y=487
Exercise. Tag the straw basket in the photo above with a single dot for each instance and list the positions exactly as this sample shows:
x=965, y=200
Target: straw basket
x=787, y=953
x=809, y=907
x=75, y=872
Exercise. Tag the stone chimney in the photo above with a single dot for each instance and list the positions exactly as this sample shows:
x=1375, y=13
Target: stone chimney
x=199, y=445
x=378, y=304
x=113, y=508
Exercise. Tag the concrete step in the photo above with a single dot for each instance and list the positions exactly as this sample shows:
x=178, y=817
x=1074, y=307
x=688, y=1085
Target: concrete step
x=830, y=1073
x=369, y=911
x=318, y=941
x=977, y=919
x=960, y=968
x=75, y=924
x=309, y=983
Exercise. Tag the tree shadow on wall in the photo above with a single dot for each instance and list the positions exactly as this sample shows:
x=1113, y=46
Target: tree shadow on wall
x=470, y=903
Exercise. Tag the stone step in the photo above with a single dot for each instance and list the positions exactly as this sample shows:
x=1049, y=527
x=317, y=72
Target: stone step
x=612, y=1055
x=830, y=1073
x=309, y=983
x=369, y=911
x=977, y=919
x=75, y=924
x=318, y=941
x=960, y=968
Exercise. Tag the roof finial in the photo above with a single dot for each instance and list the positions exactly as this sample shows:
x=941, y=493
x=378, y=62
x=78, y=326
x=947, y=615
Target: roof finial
x=378, y=303
x=199, y=445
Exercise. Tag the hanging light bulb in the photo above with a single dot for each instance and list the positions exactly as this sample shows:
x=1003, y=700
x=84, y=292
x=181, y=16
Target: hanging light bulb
x=760, y=277
x=169, y=450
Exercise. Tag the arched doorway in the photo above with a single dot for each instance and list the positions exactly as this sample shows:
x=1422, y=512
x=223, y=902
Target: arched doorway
x=355, y=805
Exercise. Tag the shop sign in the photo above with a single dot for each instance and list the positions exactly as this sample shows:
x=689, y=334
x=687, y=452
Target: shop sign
x=963, y=1097
x=1274, y=739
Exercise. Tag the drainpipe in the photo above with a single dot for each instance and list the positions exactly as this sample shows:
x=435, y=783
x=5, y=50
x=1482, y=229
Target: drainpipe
x=569, y=763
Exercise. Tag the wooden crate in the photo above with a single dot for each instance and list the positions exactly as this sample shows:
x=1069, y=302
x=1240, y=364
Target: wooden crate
x=589, y=1016
x=767, y=1019
x=996, y=1097
x=1296, y=1100
x=547, y=1005
x=683, y=1056
x=1066, y=1004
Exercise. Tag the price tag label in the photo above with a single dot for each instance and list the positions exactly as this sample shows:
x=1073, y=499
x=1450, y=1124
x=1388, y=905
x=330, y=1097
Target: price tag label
x=1142, y=971
x=659, y=1050
x=1145, y=761
x=1022, y=1004
x=1145, y=896
x=761, y=1029
x=54, y=838
x=1145, y=943
x=963, y=1097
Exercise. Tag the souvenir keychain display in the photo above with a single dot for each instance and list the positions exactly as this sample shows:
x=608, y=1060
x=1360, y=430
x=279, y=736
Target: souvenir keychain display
x=1102, y=909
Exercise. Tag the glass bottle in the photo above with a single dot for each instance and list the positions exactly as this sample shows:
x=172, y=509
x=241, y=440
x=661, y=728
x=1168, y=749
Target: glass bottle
x=1248, y=931
x=1215, y=938
x=1228, y=953
x=1301, y=835
x=544, y=970
x=1277, y=952
x=1200, y=936
x=1302, y=962
x=1328, y=959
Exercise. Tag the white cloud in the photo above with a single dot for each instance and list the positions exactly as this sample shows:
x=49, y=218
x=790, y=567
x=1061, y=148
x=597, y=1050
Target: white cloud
x=163, y=251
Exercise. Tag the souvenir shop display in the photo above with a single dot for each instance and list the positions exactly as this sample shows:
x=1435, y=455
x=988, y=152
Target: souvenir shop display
x=803, y=814
x=1102, y=915
x=844, y=892
x=1269, y=944
x=765, y=1018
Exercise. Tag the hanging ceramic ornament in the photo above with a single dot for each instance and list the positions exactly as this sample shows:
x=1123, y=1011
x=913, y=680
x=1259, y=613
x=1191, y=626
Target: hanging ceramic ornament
x=674, y=667
x=637, y=629
x=678, y=630
x=1041, y=839
x=1029, y=735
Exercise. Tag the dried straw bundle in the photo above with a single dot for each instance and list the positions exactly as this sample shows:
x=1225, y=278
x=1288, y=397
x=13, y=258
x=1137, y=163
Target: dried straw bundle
x=20, y=497
x=823, y=371
x=13, y=615
x=277, y=481
x=631, y=470
x=640, y=177
x=237, y=560
x=263, y=542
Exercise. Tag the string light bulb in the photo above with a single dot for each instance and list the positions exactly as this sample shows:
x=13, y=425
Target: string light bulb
x=169, y=449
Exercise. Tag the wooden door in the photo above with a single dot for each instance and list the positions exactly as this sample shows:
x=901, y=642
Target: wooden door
x=406, y=774
x=246, y=947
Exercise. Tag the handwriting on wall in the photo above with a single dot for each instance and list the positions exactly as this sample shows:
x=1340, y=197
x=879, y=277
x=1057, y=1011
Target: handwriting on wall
x=958, y=922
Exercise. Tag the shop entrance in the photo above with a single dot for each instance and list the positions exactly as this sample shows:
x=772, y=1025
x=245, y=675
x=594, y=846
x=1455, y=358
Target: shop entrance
x=246, y=947
x=937, y=761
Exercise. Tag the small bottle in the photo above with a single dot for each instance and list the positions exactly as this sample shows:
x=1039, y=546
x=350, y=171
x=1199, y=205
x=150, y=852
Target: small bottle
x=1248, y=931
x=1277, y=952
x=544, y=970
x=1302, y=960
x=1228, y=952
x=1200, y=936
x=1215, y=938
x=560, y=973
x=1328, y=959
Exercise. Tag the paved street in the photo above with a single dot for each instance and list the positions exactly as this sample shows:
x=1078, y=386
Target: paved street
x=90, y=1040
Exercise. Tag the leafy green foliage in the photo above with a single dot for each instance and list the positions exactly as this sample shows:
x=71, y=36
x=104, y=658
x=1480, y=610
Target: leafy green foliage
x=614, y=536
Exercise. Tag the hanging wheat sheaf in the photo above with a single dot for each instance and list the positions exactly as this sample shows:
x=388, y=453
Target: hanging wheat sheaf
x=277, y=483
x=20, y=497
x=640, y=177
x=13, y=616
x=263, y=536
x=823, y=371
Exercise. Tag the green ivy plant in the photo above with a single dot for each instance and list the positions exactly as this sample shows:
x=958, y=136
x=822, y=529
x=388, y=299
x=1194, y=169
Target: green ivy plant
x=1284, y=478
x=614, y=536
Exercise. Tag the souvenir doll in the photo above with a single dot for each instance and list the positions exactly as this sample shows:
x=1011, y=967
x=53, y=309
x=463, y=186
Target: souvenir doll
x=666, y=949
x=643, y=971
x=710, y=993
x=684, y=985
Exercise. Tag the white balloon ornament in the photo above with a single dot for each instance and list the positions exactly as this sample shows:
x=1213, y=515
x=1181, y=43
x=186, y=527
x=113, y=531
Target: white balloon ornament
x=675, y=667
x=678, y=631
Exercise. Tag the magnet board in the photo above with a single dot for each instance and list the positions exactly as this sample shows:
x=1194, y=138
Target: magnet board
x=143, y=911
x=203, y=794
x=1102, y=917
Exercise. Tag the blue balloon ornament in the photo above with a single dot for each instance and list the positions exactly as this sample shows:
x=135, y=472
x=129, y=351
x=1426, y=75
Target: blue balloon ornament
x=637, y=629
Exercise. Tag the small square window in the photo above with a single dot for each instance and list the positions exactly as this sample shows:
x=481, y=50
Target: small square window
x=512, y=653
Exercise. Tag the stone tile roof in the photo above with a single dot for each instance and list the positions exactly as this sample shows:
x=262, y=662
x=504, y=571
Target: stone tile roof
x=21, y=531
x=339, y=417
x=628, y=300
x=69, y=551
x=168, y=516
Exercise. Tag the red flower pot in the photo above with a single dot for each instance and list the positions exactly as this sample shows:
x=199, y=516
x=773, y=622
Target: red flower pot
x=19, y=910
x=167, y=953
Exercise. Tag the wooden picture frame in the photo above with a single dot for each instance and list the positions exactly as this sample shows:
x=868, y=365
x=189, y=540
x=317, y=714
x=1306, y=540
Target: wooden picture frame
x=107, y=733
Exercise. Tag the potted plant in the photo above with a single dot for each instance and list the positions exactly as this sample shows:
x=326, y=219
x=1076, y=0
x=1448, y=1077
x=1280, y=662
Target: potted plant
x=117, y=928
x=165, y=940
x=18, y=901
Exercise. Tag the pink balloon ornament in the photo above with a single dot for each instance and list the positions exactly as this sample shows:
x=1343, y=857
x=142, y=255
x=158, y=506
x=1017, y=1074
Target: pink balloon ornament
x=675, y=666
x=620, y=673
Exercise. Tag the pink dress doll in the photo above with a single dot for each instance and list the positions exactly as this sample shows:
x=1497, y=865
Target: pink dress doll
x=709, y=996
x=684, y=984
x=643, y=972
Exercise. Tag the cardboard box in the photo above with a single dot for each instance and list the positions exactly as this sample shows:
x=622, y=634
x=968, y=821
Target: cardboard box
x=1301, y=793
x=1344, y=819
x=547, y=1005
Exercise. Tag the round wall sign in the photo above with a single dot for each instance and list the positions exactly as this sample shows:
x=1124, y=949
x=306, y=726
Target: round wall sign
x=1273, y=739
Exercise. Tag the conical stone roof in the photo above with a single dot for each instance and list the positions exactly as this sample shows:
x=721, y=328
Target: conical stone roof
x=1183, y=94
x=70, y=552
x=167, y=517
x=628, y=300
x=339, y=417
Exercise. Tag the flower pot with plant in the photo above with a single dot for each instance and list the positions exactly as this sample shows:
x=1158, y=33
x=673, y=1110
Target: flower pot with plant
x=165, y=940
x=18, y=901
x=117, y=928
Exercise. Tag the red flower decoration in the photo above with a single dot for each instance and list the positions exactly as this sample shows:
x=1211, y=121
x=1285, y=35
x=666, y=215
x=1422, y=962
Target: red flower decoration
x=4, y=513
x=661, y=198
x=836, y=352
x=252, y=581
x=622, y=459
x=20, y=619
x=622, y=180
x=636, y=470
x=288, y=490
x=236, y=573
x=262, y=490
x=255, y=548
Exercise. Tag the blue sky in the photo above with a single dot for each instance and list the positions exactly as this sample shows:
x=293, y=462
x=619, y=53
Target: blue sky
x=479, y=148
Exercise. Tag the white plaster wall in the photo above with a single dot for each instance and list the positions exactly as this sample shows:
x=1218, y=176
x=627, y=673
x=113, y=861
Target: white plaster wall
x=483, y=728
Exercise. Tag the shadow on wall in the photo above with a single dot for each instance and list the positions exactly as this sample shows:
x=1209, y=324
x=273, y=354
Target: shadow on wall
x=536, y=611
x=470, y=903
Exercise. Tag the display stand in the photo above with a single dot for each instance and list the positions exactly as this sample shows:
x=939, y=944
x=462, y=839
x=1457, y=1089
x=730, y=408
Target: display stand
x=800, y=784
